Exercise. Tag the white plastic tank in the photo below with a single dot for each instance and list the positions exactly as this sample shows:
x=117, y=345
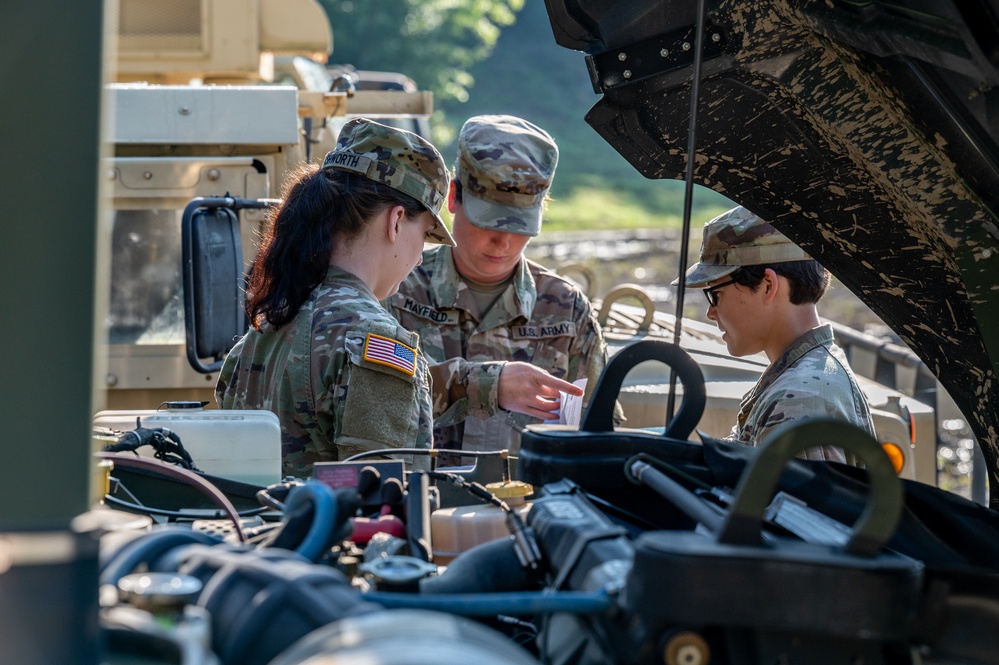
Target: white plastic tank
x=243, y=445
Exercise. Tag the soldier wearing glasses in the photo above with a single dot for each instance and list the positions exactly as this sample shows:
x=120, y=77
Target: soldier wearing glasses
x=762, y=291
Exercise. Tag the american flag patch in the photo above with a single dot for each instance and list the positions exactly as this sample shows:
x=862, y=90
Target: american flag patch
x=386, y=351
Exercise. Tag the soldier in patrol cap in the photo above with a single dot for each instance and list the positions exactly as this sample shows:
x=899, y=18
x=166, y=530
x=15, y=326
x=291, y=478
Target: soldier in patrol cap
x=322, y=353
x=501, y=328
x=762, y=292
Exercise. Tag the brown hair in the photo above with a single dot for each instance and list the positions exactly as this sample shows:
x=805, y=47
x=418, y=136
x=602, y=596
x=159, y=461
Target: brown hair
x=320, y=209
x=808, y=279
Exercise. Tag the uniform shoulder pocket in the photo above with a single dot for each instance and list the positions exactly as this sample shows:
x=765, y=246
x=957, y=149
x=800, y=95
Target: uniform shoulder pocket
x=382, y=351
x=382, y=401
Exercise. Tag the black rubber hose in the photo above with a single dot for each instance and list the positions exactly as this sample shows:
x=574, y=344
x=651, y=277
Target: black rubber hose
x=150, y=547
x=487, y=568
x=184, y=476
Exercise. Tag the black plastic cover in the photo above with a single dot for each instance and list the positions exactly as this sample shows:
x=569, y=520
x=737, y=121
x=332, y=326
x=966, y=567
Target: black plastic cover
x=850, y=601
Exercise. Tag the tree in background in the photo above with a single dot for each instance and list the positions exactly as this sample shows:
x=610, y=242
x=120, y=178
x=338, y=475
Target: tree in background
x=438, y=40
x=499, y=56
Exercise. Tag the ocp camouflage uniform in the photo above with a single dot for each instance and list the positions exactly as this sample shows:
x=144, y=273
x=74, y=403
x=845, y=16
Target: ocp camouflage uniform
x=333, y=396
x=341, y=375
x=541, y=318
x=811, y=379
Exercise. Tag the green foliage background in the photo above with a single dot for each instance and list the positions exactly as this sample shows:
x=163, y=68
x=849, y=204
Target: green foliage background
x=499, y=56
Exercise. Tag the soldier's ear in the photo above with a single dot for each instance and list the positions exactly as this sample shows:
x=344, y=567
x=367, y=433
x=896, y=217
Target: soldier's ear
x=452, y=197
x=771, y=285
x=394, y=219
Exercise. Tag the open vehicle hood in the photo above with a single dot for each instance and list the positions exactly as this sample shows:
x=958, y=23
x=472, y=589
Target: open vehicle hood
x=865, y=131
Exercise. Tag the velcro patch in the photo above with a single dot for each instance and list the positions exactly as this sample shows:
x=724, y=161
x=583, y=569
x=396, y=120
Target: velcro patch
x=387, y=351
x=558, y=329
x=430, y=313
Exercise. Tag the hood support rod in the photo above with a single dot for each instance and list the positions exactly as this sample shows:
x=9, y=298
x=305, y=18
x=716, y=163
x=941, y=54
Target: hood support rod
x=688, y=192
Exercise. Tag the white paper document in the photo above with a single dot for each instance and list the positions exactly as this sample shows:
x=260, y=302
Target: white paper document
x=571, y=411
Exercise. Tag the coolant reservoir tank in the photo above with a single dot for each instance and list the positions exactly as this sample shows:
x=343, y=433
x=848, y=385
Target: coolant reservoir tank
x=454, y=530
x=243, y=445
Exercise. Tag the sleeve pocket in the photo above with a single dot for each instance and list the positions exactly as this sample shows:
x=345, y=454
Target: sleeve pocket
x=381, y=402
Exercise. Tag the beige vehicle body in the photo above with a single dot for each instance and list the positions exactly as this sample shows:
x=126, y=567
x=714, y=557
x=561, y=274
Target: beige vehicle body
x=195, y=114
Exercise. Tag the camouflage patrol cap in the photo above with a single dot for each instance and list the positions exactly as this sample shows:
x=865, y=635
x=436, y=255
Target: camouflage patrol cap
x=402, y=160
x=505, y=166
x=739, y=238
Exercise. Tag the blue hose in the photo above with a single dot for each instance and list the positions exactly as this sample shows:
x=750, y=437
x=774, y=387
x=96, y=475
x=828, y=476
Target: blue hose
x=514, y=603
x=324, y=516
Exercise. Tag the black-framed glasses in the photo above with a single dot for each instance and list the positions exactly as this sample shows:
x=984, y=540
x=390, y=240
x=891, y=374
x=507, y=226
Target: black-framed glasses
x=711, y=294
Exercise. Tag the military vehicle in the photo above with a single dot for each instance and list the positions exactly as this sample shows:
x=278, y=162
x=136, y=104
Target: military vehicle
x=167, y=153
x=637, y=547
x=943, y=74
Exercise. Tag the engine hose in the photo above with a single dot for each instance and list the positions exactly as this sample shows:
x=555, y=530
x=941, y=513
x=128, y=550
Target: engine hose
x=517, y=603
x=486, y=568
x=386, y=452
x=150, y=547
x=324, y=516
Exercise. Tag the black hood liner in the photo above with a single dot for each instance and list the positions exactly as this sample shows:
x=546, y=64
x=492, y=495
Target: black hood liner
x=866, y=133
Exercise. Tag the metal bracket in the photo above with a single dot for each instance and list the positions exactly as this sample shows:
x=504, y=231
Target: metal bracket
x=642, y=60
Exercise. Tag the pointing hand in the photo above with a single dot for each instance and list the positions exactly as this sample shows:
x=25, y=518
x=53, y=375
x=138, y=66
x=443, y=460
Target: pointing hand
x=530, y=390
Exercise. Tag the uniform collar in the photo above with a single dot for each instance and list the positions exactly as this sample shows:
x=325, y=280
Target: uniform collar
x=449, y=290
x=819, y=336
x=337, y=276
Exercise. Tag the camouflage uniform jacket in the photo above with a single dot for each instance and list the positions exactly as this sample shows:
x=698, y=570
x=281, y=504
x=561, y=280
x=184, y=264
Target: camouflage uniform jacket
x=339, y=377
x=541, y=318
x=811, y=379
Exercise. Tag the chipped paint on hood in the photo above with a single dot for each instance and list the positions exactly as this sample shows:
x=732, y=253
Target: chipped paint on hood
x=861, y=135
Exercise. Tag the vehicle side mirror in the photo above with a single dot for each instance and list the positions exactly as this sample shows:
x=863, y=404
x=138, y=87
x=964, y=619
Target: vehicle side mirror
x=213, y=280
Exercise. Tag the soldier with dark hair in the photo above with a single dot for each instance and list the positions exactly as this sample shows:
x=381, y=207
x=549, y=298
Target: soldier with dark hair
x=762, y=291
x=323, y=354
x=498, y=327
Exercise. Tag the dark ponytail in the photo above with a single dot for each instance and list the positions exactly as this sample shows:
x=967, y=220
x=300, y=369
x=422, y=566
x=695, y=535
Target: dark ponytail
x=320, y=210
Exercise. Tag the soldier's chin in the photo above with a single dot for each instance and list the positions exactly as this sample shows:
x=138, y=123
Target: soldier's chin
x=387, y=293
x=737, y=352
